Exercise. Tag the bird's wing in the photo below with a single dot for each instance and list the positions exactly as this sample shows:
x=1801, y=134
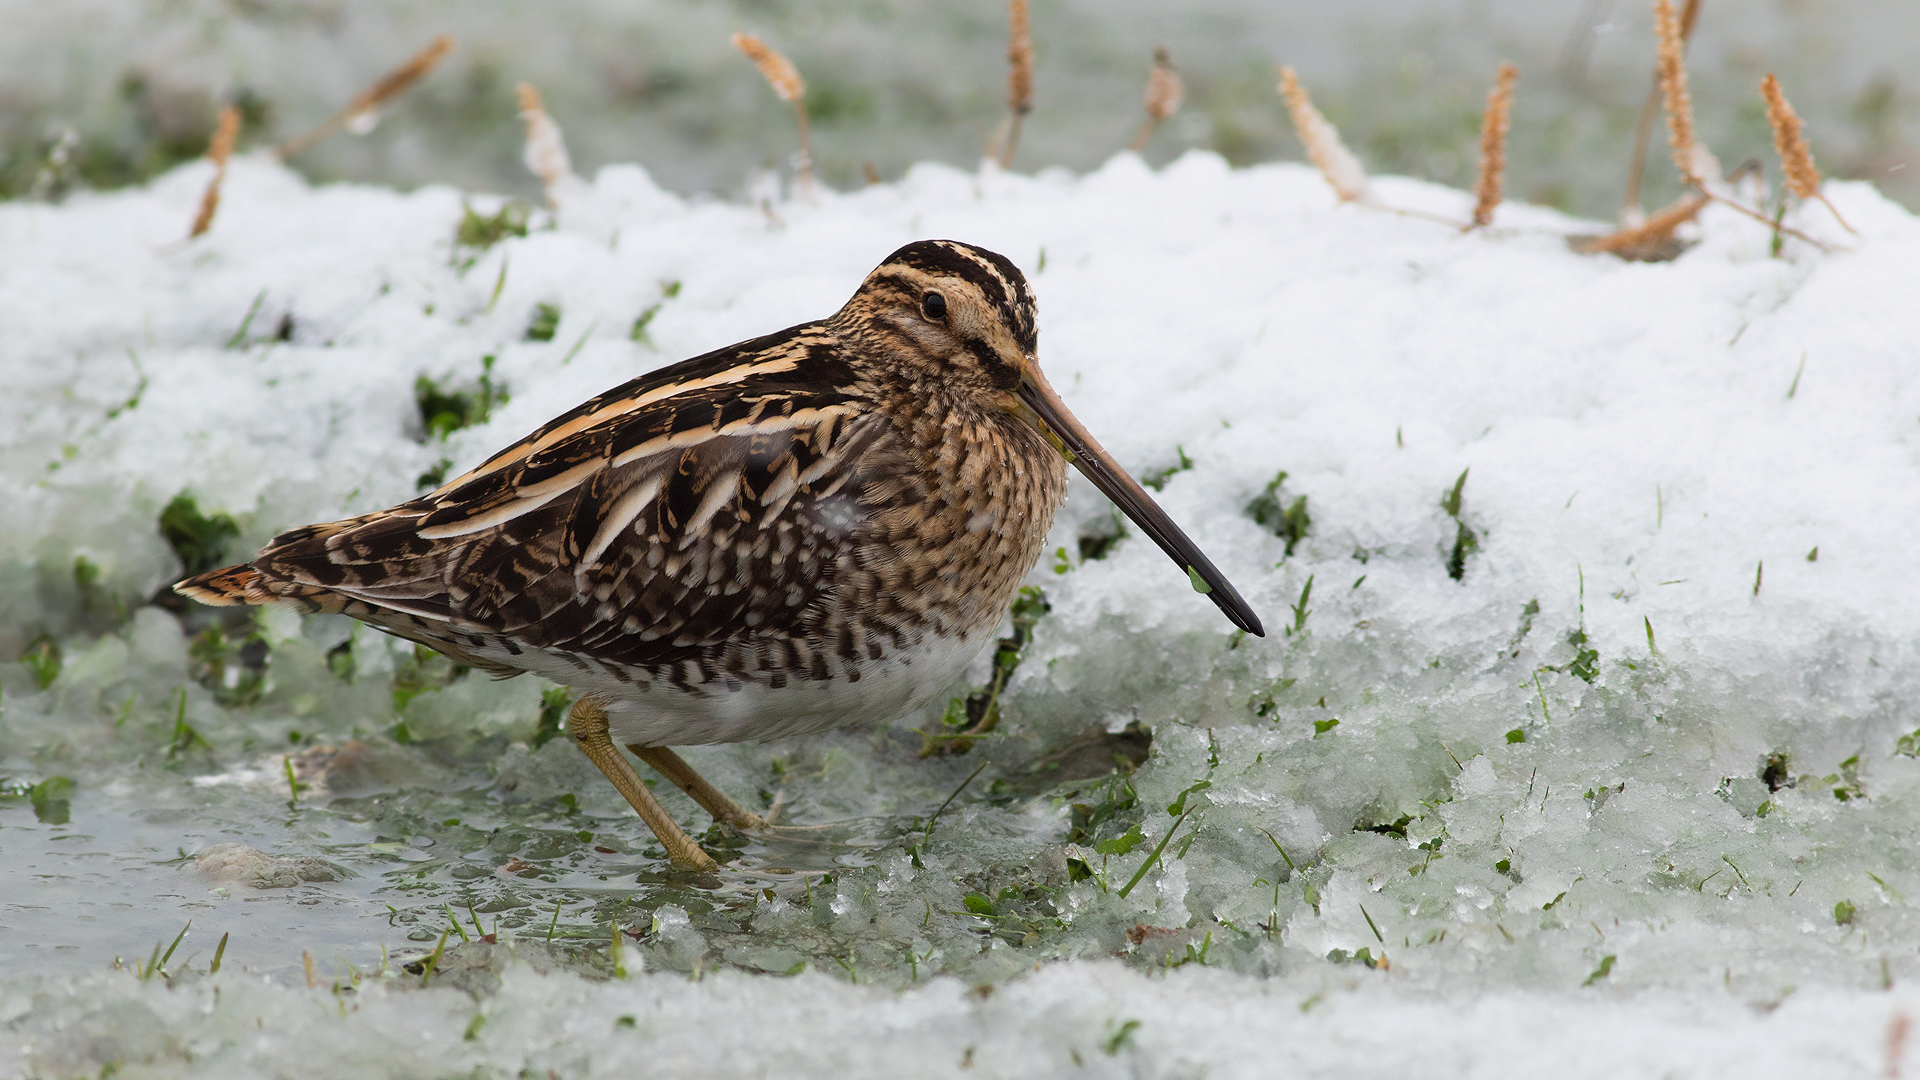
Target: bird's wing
x=662, y=517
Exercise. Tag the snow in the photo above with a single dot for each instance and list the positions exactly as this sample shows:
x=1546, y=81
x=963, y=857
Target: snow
x=1546, y=799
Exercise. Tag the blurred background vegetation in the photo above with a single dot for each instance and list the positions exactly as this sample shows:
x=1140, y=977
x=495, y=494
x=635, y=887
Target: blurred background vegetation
x=102, y=93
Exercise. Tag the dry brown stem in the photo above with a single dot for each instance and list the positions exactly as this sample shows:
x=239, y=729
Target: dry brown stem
x=1643, y=131
x=775, y=68
x=1796, y=161
x=1322, y=141
x=218, y=151
x=363, y=111
x=1652, y=241
x=786, y=82
x=1493, y=146
x=1019, y=58
x=1673, y=87
x=1019, y=83
x=1165, y=92
x=545, y=152
x=1769, y=222
x=1689, y=15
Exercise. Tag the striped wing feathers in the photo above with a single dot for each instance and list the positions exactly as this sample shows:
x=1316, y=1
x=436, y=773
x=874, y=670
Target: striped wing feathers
x=658, y=519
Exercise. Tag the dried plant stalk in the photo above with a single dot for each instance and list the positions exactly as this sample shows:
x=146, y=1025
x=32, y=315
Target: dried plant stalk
x=218, y=150
x=1652, y=241
x=1643, y=131
x=787, y=84
x=1165, y=92
x=1322, y=141
x=1006, y=141
x=1673, y=88
x=1689, y=15
x=1796, y=161
x=1493, y=146
x=363, y=112
x=775, y=68
x=545, y=152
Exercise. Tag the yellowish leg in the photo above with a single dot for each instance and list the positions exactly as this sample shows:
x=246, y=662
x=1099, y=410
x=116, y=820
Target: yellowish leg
x=589, y=725
x=675, y=768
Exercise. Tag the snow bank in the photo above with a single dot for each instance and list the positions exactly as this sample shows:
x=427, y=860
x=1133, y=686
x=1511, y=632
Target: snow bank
x=1078, y=1019
x=1591, y=722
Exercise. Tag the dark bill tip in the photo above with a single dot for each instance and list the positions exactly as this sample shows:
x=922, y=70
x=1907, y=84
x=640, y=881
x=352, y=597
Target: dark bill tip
x=1114, y=482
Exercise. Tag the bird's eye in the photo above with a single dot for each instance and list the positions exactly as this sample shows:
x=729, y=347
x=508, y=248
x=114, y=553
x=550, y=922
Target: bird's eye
x=934, y=305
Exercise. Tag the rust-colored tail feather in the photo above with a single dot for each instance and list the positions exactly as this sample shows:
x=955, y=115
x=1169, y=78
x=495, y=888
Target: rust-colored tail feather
x=231, y=586
x=227, y=587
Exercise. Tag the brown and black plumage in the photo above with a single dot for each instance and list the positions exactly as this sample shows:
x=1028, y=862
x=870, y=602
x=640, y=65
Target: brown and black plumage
x=806, y=530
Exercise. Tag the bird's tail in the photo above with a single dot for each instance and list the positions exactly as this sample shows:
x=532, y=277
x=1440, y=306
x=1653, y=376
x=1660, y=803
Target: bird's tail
x=227, y=587
x=232, y=586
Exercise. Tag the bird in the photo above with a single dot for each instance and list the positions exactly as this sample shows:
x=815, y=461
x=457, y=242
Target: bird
x=812, y=529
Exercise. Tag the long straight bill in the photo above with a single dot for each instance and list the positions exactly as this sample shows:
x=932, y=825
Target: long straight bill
x=1086, y=454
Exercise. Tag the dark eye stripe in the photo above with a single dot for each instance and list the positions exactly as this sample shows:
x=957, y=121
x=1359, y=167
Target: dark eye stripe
x=1004, y=375
x=1000, y=282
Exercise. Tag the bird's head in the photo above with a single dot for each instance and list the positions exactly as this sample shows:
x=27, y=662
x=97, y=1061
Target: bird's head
x=959, y=314
x=963, y=317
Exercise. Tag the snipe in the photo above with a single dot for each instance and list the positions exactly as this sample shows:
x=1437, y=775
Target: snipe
x=812, y=529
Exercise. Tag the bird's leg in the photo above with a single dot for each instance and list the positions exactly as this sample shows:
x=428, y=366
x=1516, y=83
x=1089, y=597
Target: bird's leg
x=588, y=723
x=675, y=768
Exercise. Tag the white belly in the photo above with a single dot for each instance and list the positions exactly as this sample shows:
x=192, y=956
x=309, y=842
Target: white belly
x=647, y=712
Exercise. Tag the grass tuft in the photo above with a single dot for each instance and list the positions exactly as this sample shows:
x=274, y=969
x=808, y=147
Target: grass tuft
x=1153, y=857
x=544, y=322
x=198, y=540
x=444, y=410
x=433, y=959
x=1465, y=540
x=44, y=659
x=482, y=231
x=616, y=949
x=1157, y=479
x=1371, y=925
x=1284, y=518
x=1300, y=610
x=553, y=716
x=668, y=290
x=968, y=720
x=52, y=800
x=1601, y=972
x=239, y=340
